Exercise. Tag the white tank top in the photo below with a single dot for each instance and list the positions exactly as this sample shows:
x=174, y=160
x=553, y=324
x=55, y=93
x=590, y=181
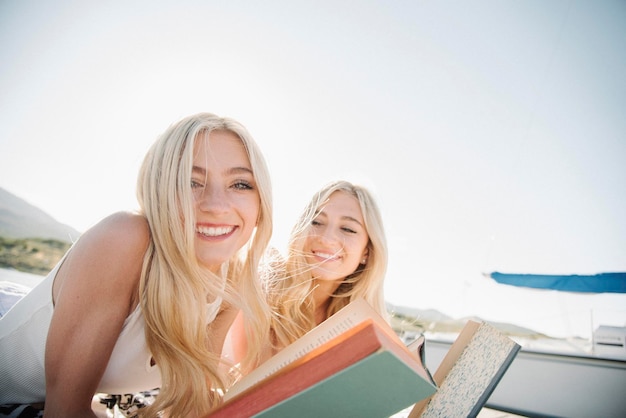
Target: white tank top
x=23, y=333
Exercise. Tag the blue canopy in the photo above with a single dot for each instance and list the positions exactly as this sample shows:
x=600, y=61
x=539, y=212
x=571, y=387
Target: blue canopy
x=596, y=283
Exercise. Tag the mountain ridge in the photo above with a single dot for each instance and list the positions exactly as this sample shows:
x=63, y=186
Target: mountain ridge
x=20, y=219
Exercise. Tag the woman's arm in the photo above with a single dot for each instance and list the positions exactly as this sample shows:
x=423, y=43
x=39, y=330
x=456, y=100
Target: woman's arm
x=95, y=290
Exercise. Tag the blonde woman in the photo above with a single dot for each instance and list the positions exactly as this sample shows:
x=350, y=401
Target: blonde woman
x=144, y=300
x=337, y=252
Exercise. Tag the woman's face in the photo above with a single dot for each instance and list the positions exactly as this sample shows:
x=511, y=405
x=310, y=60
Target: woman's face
x=227, y=201
x=337, y=239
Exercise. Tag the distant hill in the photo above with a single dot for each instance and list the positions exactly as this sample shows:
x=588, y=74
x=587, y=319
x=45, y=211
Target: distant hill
x=428, y=315
x=20, y=219
x=413, y=320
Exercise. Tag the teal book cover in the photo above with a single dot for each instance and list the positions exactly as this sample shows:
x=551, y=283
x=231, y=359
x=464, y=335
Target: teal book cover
x=375, y=387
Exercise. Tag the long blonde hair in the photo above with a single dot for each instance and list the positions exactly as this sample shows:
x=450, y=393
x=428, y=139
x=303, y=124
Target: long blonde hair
x=290, y=286
x=174, y=287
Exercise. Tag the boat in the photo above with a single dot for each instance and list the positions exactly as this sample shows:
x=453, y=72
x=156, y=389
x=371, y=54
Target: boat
x=547, y=385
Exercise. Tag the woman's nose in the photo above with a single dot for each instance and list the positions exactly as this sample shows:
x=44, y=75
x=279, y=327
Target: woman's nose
x=327, y=235
x=213, y=199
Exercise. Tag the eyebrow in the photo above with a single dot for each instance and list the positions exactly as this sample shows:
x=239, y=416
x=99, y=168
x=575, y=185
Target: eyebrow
x=345, y=218
x=232, y=170
x=350, y=218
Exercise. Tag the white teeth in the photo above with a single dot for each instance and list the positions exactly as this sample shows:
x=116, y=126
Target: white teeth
x=214, y=231
x=326, y=256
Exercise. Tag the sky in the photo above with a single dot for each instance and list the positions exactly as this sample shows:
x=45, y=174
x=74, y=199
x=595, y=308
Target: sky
x=492, y=133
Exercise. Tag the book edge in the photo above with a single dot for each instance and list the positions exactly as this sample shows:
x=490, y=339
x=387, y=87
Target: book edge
x=506, y=363
x=358, y=309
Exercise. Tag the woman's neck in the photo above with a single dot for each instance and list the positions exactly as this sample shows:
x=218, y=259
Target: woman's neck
x=321, y=296
x=320, y=312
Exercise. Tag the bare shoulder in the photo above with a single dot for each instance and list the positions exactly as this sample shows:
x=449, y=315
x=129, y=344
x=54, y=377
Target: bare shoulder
x=121, y=237
x=120, y=233
x=124, y=228
x=108, y=256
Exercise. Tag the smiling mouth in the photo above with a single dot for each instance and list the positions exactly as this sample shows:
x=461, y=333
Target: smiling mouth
x=214, y=231
x=326, y=256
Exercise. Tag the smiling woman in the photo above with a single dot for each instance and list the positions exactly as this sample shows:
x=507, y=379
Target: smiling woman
x=226, y=197
x=335, y=246
x=337, y=253
x=144, y=300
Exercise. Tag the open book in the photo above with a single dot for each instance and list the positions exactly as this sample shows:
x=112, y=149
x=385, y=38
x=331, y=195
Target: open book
x=469, y=372
x=353, y=364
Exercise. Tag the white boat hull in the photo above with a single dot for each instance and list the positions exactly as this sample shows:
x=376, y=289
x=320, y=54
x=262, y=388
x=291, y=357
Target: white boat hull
x=551, y=385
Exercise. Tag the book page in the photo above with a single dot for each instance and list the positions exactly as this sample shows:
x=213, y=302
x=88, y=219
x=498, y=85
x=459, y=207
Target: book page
x=348, y=317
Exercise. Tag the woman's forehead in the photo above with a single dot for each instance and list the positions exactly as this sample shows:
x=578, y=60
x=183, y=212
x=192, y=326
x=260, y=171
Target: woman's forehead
x=220, y=148
x=343, y=204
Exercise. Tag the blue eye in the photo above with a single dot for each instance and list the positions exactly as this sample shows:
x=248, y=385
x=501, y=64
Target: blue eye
x=195, y=184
